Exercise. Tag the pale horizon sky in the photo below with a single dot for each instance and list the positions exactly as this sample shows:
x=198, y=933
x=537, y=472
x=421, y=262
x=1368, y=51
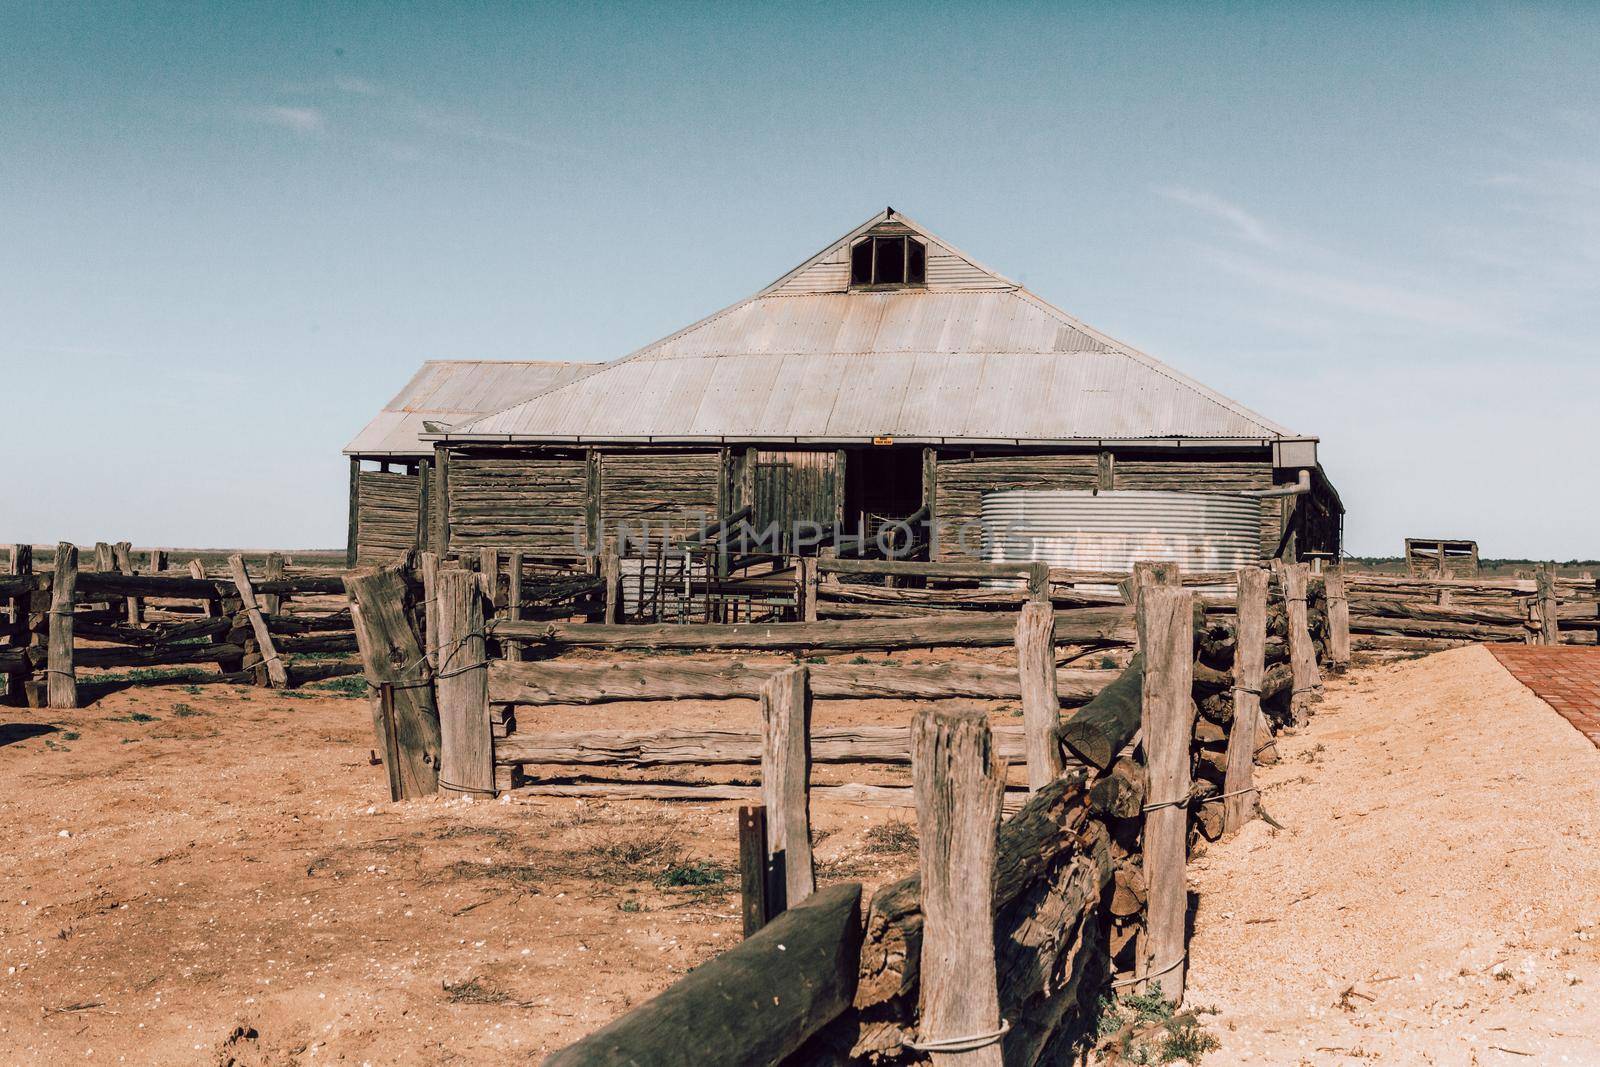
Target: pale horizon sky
x=229, y=233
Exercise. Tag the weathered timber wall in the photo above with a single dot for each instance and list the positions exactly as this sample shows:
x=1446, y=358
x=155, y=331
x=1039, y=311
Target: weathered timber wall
x=963, y=478
x=386, y=523
x=795, y=487
x=534, y=501
x=663, y=488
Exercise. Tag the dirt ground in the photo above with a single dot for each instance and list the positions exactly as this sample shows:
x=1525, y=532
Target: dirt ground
x=213, y=874
x=1434, y=897
x=210, y=874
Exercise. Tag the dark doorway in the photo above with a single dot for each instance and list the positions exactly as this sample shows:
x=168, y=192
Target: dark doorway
x=883, y=482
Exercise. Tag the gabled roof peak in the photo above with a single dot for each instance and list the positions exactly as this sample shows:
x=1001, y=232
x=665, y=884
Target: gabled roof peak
x=828, y=271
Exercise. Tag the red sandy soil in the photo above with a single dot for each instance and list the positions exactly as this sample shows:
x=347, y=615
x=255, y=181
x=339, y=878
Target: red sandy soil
x=227, y=883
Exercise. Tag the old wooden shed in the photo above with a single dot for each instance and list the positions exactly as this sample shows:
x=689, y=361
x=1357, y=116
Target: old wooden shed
x=889, y=375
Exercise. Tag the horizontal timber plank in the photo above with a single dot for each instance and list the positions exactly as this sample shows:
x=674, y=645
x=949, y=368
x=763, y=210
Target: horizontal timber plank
x=1080, y=626
x=887, y=796
x=545, y=683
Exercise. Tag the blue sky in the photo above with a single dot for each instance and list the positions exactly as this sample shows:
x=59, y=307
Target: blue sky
x=228, y=233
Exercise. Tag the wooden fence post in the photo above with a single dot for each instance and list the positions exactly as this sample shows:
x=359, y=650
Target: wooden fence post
x=753, y=867
x=489, y=571
x=806, y=587
x=62, y=684
x=19, y=623
x=786, y=785
x=391, y=654
x=611, y=569
x=428, y=564
x=1302, y=653
x=513, y=649
x=959, y=784
x=1166, y=634
x=122, y=562
x=1249, y=667
x=466, y=748
x=1549, y=605
x=1041, y=703
x=1338, y=621
x=1147, y=573
x=277, y=674
x=272, y=571
x=1039, y=582
x=104, y=560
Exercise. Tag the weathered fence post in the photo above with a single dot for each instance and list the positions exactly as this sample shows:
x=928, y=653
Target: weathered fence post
x=1166, y=635
x=959, y=784
x=786, y=786
x=122, y=563
x=277, y=674
x=513, y=649
x=1041, y=703
x=1307, y=684
x=1039, y=581
x=1249, y=668
x=611, y=570
x=489, y=571
x=806, y=586
x=104, y=558
x=753, y=867
x=391, y=654
x=1338, y=621
x=272, y=571
x=466, y=748
x=62, y=684
x=428, y=564
x=18, y=622
x=1549, y=606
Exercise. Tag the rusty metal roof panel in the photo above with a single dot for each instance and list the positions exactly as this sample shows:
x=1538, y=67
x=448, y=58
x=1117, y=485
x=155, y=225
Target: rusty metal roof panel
x=453, y=391
x=985, y=360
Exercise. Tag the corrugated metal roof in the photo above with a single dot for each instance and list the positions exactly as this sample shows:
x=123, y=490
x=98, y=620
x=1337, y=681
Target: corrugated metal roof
x=981, y=360
x=452, y=391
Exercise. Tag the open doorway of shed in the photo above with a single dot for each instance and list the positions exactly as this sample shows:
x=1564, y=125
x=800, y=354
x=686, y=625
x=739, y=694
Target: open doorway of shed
x=883, y=482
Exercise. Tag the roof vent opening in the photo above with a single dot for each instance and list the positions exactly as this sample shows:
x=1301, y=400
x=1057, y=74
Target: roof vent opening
x=888, y=261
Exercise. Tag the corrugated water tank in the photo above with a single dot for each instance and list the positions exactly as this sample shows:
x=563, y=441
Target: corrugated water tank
x=1109, y=531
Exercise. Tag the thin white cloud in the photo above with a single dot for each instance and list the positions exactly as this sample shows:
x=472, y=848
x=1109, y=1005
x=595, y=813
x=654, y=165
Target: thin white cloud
x=1360, y=295
x=347, y=83
x=1245, y=225
x=305, y=120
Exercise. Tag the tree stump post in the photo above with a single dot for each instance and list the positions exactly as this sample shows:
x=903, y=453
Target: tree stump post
x=17, y=615
x=513, y=649
x=806, y=587
x=1166, y=635
x=466, y=745
x=62, y=684
x=391, y=654
x=1302, y=653
x=122, y=561
x=1549, y=605
x=959, y=785
x=1041, y=703
x=1338, y=621
x=611, y=570
x=786, y=786
x=753, y=867
x=272, y=571
x=428, y=564
x=1249, y=667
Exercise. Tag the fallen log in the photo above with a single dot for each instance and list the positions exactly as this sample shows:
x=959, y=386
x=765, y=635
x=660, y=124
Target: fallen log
x=1099, y=730
x=757, y=1002
x=158, y=656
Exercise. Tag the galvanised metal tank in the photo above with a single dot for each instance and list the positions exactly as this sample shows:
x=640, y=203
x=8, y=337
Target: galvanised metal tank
x=1109, y=531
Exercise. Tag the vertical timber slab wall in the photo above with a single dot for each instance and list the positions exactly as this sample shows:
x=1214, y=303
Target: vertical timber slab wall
x=678, y=490
x=962, y=478
x=516, y=499
x=386, y=515
x=796, y=486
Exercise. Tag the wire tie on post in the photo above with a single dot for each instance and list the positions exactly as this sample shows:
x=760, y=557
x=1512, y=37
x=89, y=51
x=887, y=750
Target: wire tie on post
x=960, y=1044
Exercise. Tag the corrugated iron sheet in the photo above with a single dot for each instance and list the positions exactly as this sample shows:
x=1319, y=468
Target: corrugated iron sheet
x=1109, y=531
x=453, y=391
x=990, y=365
